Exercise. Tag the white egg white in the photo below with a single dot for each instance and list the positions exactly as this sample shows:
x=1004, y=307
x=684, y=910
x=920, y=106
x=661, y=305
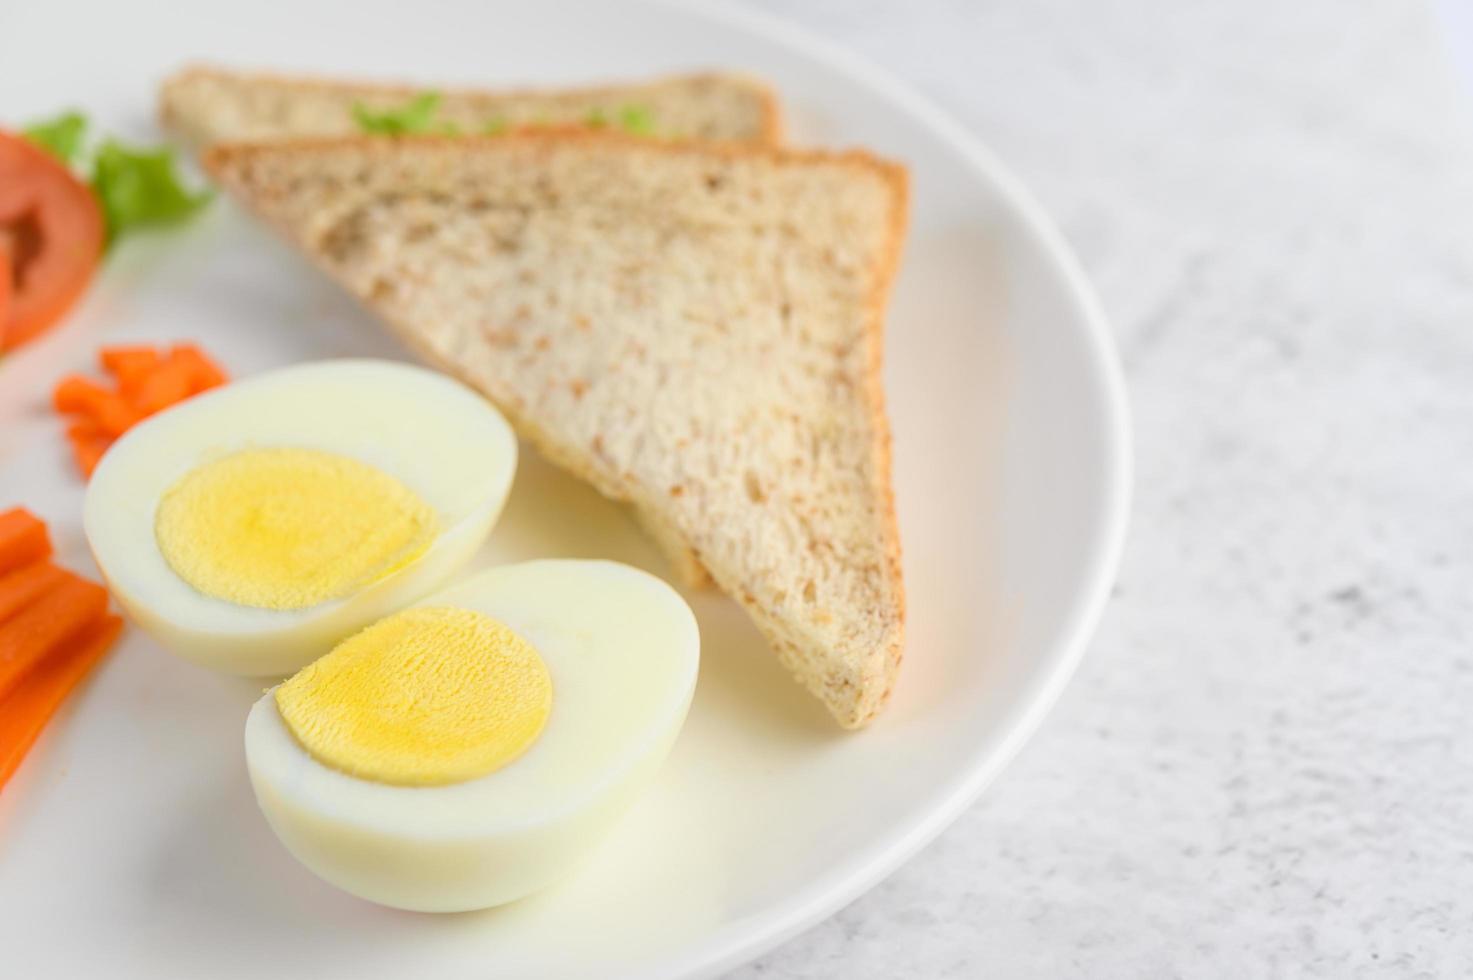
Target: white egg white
x=622, y=648
x=433, y=434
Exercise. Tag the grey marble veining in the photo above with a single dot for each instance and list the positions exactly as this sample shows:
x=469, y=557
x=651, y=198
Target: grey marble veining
x=1265, y=766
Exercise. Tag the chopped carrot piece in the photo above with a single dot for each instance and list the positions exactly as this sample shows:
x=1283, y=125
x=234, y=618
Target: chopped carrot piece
x=23, y=539
x=88, y=441
x=130, y=366
x=75, y=394
x=123, y=358
x=27, y=709
x=167, y=384
x=204, y=372
x=85, y=428
x=88, y=449
x=114, y=415
x=111, y=411
x=36, y=632
x=148, y=380
x=20, y=587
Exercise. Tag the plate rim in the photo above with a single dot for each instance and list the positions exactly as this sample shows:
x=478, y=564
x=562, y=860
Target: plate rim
x=736, y=943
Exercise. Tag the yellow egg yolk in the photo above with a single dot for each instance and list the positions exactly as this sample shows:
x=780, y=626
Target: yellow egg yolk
x=428, y=696
x=288, y=528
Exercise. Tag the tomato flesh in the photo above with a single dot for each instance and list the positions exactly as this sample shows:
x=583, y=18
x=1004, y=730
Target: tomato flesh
x=5, y=286
x=51, y=238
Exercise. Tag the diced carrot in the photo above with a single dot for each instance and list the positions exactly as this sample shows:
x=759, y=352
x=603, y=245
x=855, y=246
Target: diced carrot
x=77, y=395
x=36, y=632
x=115, y=415
x=88, y=446
x=27, y=709
x=23, y=539
x=85, y=428
x=20, y=587
x=122, y=358
x=204, y=372
x=89, y=441
x=111, y=411
x=168, y=383
x=130, y=366
x=148, y=379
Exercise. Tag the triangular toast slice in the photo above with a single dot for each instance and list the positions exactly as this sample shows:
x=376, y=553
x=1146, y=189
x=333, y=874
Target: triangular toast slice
x=209, y=105
x=693, y=328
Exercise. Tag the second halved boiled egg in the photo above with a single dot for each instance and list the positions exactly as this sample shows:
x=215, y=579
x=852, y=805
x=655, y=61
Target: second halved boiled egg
x=253, y=527
x=471, y=749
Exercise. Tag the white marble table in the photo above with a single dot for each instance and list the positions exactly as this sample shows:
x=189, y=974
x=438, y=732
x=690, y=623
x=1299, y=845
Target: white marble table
x=1265, y=766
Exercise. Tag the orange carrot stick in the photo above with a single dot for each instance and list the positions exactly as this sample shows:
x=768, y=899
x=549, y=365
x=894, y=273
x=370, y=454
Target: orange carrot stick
x=20, y=587
x=30, y=706
x=23, y=539
x=32, y=635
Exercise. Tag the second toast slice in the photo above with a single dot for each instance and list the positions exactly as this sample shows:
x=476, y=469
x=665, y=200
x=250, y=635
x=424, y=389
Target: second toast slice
x=209, y=105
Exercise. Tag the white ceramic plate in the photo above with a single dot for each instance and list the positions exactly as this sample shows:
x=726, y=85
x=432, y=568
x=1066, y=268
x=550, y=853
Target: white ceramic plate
x=129, y=842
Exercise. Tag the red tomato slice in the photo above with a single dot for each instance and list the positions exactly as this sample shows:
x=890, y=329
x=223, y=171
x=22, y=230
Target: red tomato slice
x=5, y=285
x=51, y=238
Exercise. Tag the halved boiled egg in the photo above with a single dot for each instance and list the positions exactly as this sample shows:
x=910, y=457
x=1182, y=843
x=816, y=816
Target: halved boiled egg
x=252, y=527
x=469, y=750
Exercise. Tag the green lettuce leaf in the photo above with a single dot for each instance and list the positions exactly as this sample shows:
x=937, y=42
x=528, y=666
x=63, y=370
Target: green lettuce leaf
x=415, y=116
x=637, y=120
x=140, y=187
x=62, y=136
